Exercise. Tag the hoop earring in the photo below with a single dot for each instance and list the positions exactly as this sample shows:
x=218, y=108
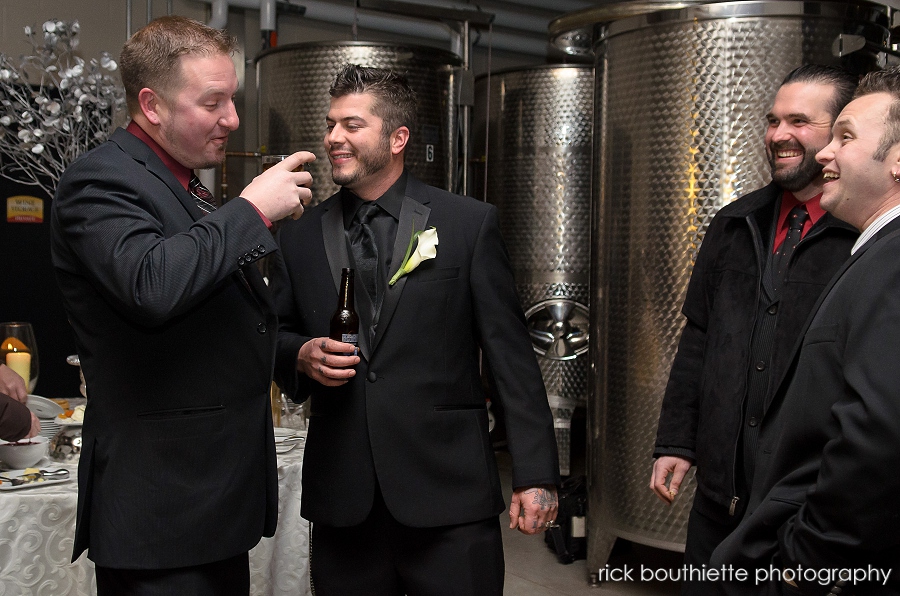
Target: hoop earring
x=896, y=176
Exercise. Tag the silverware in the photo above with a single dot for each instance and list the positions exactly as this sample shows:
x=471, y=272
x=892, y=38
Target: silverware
x=50, y=474
x=36, y=476
x=287, y=448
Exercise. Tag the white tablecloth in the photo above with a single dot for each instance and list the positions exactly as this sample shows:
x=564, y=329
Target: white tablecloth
x=37, y=529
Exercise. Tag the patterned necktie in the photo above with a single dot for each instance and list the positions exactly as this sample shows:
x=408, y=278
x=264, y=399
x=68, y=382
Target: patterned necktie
x=207, y=203
x=365, y=248
x=204, y=199
x=782, y=257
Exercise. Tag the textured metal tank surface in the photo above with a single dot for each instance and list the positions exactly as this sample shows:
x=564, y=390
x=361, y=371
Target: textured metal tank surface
x=573, y=32
x=293, y=82
x=680, y=124
x=537, y=163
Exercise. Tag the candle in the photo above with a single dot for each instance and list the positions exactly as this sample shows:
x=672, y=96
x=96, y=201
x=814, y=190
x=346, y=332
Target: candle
x=20, y=362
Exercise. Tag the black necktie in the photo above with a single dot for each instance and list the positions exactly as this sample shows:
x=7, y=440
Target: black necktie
x=365, y=248
x=796, y=219
x=204, y=199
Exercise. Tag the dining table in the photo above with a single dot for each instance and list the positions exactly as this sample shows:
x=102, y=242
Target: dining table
x=37, y=531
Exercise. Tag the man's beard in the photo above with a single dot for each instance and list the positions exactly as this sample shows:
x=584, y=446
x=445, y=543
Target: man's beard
x=800, y=176
x=367, y=163
x=187, y=158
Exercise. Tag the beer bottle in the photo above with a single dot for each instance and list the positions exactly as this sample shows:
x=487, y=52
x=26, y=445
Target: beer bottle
x=345, y=322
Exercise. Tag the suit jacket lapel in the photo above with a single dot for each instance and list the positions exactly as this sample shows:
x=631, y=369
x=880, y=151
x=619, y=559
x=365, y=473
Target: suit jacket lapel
x=785, y=377
x=413, y=218
x=145, y=155
x=335, y=238
x=335, y=242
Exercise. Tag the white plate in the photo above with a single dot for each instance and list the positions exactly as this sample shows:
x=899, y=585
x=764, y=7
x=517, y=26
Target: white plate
x=4, y=486
x=43, y=407
x=66, y=422
x=49, y=428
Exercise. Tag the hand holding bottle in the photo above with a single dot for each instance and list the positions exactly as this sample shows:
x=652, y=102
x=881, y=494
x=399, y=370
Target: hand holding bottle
x=326, y=361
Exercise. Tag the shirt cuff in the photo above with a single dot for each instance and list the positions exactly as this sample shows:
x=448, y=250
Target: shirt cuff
x=265, y=219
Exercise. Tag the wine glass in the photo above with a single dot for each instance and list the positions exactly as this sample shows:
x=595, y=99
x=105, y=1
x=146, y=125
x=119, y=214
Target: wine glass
x=19, y=351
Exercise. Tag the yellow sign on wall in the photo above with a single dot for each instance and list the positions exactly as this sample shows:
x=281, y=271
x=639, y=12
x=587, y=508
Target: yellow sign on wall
x=24, y=209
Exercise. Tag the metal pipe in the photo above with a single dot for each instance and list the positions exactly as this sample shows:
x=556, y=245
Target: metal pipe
x=219, y=17
x=320, y=10
x=127, y=19
x=465, y=114
x=560, y=5
x=267, y=15
x=502, y=18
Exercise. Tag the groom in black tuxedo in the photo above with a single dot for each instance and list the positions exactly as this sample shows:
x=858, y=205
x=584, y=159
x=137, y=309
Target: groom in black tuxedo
x=399, y=477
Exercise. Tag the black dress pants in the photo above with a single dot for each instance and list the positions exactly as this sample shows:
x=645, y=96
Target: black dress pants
x=382, y=557
x=229, y=577
x=708, y=525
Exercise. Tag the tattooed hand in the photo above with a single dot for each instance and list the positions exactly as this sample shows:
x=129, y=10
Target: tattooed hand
x=326, y=361
x=531, y=508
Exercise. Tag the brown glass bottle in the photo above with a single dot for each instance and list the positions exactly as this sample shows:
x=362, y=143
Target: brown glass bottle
x=345, y=322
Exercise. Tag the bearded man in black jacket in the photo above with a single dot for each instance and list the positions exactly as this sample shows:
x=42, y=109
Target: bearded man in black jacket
x=752, y=287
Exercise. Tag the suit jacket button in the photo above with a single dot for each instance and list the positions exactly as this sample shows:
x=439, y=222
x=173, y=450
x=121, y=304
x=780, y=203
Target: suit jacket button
x=261, y=249
x=255, y=254
x=261, y=328
x=241, y=261
x=371, y=377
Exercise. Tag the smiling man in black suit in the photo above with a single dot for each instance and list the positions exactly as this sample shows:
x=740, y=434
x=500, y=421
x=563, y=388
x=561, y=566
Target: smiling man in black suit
x=176, y=333
x=822, y=515
x=399, y=477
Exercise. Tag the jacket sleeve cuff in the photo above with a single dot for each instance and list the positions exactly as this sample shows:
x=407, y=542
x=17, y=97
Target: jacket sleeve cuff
x=678, y=451
x=15, y=419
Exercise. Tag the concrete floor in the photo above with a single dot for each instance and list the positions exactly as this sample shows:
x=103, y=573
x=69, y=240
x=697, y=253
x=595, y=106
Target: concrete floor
x=532, y=568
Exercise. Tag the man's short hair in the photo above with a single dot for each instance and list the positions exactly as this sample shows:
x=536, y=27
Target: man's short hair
x=395, y=102
x=150, y=57
x=884, y=81
x=843, y=82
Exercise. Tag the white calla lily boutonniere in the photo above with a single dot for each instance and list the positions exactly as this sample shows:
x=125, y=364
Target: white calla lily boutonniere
x=426, y=242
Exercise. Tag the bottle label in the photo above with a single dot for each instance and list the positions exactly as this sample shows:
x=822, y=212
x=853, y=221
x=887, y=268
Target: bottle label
x=578, y=526
x=350, y=338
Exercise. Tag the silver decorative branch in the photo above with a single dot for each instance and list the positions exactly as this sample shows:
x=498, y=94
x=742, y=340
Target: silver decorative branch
x=54, y=106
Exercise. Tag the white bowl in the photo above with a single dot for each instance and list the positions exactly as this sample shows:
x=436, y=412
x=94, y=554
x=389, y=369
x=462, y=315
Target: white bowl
x=25, y=453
